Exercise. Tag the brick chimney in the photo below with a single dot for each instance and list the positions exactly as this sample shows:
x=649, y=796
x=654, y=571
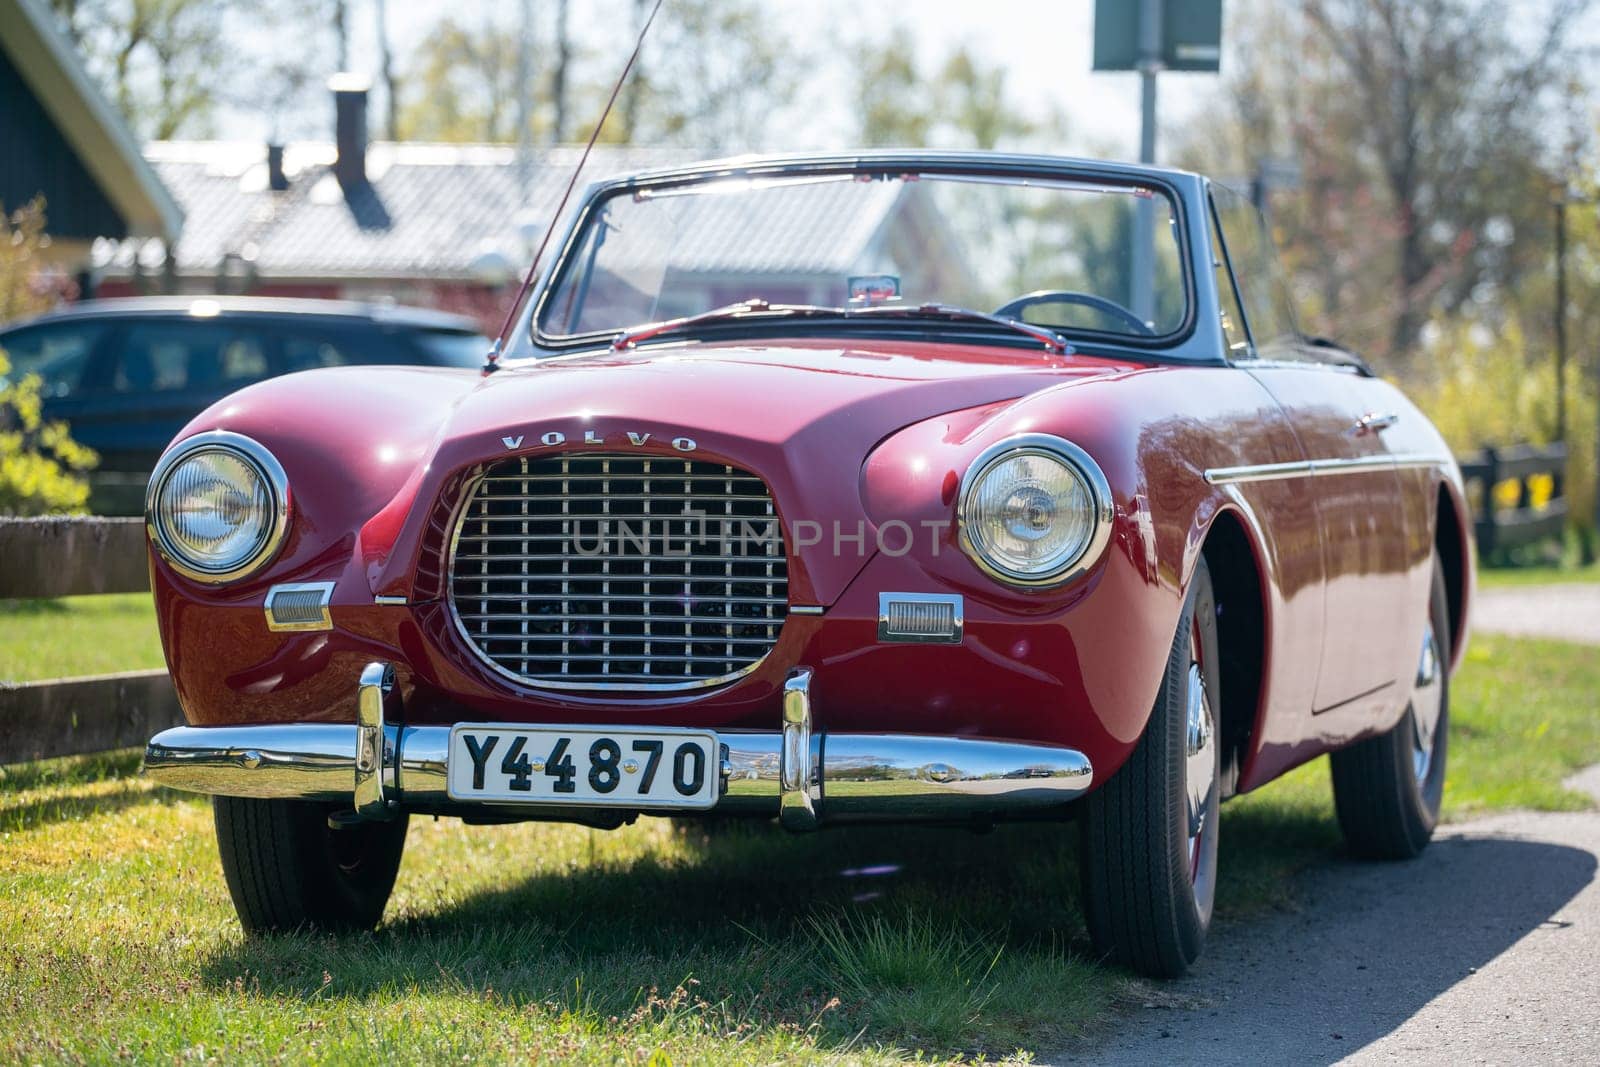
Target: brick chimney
x=277, y=180
x=350, y=128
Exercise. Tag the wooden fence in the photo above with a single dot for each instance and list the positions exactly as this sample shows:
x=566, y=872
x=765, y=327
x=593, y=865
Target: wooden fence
x=1539, y=511
x=73, y=716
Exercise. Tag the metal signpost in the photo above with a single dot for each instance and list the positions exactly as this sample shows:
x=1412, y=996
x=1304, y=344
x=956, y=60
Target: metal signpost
x=1150, y=36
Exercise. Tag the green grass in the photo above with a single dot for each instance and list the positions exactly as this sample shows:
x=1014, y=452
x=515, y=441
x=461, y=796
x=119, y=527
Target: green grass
x=651, y=944
x=77, y=636
x=1538, y=574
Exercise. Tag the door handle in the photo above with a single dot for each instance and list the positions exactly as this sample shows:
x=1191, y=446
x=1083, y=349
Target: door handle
x=1372, y=422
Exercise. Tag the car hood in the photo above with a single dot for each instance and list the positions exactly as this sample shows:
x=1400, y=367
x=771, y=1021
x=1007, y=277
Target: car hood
x=802, y=415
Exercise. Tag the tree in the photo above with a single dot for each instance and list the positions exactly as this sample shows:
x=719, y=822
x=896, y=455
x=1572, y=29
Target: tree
x=560, y=74
x=386, y=73
x=965, y=104
x=1421, y=128
x=464, y=85
x=891, y=97
x=161, y=61
x=712, y=76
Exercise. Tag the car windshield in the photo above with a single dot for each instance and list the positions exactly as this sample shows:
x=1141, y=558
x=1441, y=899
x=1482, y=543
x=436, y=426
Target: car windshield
x=1077, y=256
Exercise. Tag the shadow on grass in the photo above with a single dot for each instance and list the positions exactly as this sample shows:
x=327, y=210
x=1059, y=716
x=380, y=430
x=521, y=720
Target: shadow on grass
x=35, y=794
x=25, y=608
x=46, y=810
x=934, y=939
x=70, y=770
x=926, y=938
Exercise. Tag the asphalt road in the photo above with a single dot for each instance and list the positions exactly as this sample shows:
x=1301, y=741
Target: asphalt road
x=1484, y=950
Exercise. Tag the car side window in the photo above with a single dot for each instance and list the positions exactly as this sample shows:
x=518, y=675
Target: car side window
x=309, y=353
x=335, y=345
x=1263, y=287
x=1233, y=325
x=168, y=357
x=57, y=353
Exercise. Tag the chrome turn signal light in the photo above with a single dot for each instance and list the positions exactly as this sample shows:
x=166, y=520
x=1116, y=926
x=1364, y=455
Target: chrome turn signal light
x=299, y=606
x=929, y=618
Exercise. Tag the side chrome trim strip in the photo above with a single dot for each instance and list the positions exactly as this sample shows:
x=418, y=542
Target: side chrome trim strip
x=390, y=601
x=1319, y=468
x=805, y=609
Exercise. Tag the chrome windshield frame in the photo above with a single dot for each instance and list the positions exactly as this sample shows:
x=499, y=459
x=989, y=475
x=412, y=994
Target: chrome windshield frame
x=1179, y=187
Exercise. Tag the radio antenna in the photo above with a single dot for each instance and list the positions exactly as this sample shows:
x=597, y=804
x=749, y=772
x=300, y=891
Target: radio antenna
x=533, y=268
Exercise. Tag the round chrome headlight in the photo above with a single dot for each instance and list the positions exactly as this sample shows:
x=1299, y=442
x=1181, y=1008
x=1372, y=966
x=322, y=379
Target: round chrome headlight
x=1035, y=510
x=218, y=507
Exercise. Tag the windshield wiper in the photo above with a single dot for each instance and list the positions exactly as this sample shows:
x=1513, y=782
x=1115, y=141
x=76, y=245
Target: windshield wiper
x=753, y=307
x=758, y=308
x=1051, y=340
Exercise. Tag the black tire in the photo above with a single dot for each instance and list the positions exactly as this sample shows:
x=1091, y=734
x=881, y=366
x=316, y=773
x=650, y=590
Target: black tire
x=1387, y=807
x=287, y=869
x=1148, y=885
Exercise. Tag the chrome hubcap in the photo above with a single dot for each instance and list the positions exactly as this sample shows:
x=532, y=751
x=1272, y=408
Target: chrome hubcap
x=1200, y=770
x=1427, y=697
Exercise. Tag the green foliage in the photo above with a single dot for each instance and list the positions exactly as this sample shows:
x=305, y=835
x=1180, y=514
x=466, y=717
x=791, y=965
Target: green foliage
x=1423, y=137
x=1482, y=388
x=710, y=77
x=161, y=61
x=965, y=103
x=40, y=464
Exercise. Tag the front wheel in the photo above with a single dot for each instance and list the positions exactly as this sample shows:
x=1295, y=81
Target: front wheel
x=1149, y=835
x=1388, y=789
x=288, y=868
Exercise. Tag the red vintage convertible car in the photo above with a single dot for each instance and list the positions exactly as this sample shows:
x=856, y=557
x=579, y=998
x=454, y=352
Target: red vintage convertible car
x=886, y=487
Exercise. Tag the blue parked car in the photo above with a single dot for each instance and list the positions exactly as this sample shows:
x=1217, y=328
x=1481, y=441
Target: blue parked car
x=127, y=374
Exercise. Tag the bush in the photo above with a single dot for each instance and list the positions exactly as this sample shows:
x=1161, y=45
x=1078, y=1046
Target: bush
x=41, y=466
x=1483, y=388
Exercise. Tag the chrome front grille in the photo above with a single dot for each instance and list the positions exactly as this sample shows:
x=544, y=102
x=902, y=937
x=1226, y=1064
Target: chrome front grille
x=598, y=571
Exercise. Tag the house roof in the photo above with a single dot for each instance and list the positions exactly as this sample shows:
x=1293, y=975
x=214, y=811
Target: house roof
x=433, y=211
x=428, y=211
x=92, y=128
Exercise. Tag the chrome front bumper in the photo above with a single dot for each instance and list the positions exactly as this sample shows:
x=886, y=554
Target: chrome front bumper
x=806, y=779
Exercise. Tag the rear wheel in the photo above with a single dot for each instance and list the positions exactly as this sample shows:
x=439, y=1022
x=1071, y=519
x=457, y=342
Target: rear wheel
x=1149, y=835
x=288, y=868
x=1388, y=789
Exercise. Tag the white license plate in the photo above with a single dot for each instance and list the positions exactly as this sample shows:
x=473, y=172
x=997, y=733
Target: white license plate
x=587, y=767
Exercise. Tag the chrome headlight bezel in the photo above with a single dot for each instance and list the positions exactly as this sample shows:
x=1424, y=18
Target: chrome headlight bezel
x=1078, y=462
x=266, y=467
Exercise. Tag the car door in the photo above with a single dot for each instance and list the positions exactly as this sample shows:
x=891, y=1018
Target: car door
x=1338, y=414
